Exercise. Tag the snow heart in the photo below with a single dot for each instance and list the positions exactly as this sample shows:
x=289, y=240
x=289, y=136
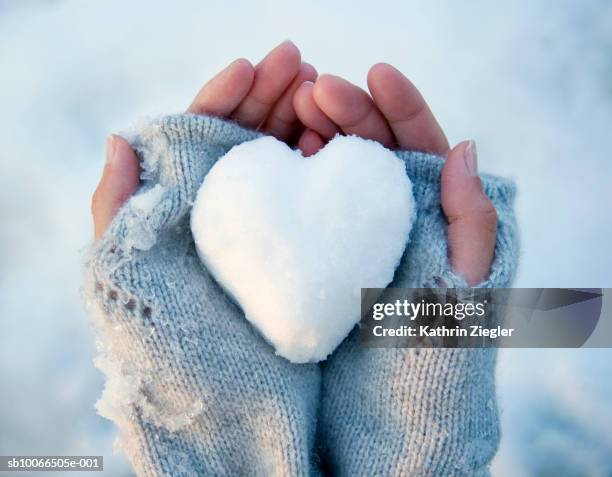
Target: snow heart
x=293, y=240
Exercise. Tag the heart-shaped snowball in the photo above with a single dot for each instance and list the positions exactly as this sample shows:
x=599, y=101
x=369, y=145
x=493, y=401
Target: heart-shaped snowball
x=294, y=239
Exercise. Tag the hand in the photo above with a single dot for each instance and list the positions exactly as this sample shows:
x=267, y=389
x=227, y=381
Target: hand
x=405, y=404
x=203, y=383
x=256, y=97
x=396, y=115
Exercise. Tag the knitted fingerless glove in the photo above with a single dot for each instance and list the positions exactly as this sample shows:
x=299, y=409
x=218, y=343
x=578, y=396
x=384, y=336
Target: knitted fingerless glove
x=419, y=412
x=192, y=387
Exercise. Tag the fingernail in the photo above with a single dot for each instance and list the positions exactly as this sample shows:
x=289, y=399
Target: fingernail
x=110, y=148
x=470, y=156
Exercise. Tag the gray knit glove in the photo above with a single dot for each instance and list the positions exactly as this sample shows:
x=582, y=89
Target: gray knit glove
x=192, y=387
x=426, y=412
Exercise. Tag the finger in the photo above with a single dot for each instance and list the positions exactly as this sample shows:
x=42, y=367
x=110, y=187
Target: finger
x=411, y=120
x=120, y=179
x=472, y=219
x=352, y=109
x=273, y=75
x=310, y=142
x=222, y=94
x=281, y=122
x=310, y=114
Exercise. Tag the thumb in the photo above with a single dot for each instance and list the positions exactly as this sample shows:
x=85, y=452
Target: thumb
x=472, y=219
x=120, y=179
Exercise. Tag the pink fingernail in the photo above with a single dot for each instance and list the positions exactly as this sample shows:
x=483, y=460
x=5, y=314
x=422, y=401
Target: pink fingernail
x=110, y=148
x=470, y=157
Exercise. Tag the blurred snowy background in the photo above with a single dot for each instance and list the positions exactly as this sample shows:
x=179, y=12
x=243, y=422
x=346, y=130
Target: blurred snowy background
x=530, y=80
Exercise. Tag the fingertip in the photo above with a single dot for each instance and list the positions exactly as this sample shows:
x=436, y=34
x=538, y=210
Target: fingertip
x=122, y=172
x=120, y=179
x=282, y=119
x=401, y=103
x=310, y=114
x=310, y=142
x=287, y=53
x=302, y=95
x=343, y=102
x=384, y=81
x=222, y=93
x=272, y=76
x=461, y=146
x=352, y=109
x=121, y=142
x=242, y=68
x=123, y=148
x=382, y=70
x=241, y=63
x=308, y=72
x=462, y=193
x=457, y=152
x=461, y=161
x=326, y=84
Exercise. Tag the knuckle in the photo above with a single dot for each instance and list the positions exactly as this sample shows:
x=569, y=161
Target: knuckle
x=488, y=219
x=482, y=214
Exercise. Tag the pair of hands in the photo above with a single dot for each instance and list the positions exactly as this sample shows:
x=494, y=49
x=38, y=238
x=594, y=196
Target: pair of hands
x=283, y=96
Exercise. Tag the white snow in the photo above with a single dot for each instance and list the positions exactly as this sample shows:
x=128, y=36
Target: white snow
x=146, y=201
x=294, y=240
x=140, y=234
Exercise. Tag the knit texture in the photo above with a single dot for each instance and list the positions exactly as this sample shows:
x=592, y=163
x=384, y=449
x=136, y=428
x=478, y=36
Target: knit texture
x=195, y=390
x=419, y=412
x=192, y=387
